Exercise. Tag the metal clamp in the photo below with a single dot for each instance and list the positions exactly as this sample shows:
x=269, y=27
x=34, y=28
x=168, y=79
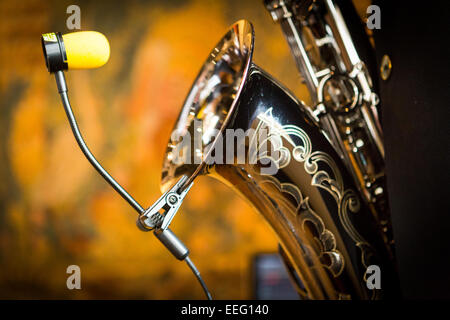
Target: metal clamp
x=161, y=213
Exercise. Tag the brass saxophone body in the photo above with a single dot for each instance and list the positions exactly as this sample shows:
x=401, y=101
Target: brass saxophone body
x=292, y=172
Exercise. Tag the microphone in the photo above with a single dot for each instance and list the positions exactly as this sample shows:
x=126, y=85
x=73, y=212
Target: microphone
x=77, y=50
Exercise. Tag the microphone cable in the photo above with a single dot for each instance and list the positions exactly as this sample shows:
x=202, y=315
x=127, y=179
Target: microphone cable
x=199, y=277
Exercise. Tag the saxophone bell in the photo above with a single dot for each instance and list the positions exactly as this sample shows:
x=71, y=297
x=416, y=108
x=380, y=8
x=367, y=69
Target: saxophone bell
x=326, y=230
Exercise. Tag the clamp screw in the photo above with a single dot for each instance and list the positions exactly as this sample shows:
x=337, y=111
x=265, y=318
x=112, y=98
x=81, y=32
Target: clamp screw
x=172, y=199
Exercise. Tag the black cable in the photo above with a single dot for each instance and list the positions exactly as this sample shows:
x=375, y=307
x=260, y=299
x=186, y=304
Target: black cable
x=197, y=274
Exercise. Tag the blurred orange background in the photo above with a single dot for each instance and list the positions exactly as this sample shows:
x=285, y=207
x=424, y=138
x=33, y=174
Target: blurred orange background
x=56, y=211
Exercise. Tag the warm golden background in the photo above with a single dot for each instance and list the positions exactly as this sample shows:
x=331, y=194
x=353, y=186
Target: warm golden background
x=55, y=210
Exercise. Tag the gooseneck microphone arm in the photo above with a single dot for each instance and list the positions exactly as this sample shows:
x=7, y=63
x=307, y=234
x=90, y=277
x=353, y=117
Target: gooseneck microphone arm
x=62, y=89
x=166, y=236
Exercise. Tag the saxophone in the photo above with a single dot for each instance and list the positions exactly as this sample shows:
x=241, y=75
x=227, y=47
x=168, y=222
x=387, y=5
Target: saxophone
x=315, y=173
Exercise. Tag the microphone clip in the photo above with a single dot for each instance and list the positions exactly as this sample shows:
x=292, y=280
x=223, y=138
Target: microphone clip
x=162, y=212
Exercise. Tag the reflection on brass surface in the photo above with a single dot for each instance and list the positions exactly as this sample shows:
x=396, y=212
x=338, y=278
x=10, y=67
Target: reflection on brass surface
x=213, y=94
x=386, y=67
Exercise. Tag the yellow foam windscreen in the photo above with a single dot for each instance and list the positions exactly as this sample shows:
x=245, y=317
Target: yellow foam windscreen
x=86, y=49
